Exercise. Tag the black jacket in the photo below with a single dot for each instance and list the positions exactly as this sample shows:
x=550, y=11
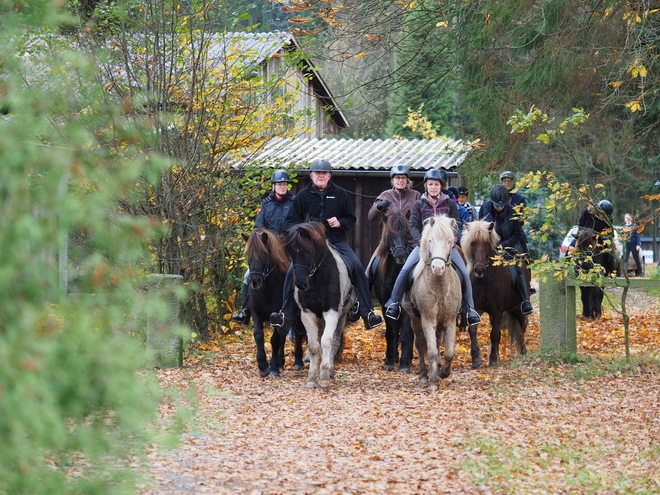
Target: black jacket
x=310, y=204
x=273, y=213
x=507, y=227
x=591, y=221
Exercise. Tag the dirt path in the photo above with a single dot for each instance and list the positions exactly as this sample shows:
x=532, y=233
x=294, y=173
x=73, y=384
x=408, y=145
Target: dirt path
x=525, y=427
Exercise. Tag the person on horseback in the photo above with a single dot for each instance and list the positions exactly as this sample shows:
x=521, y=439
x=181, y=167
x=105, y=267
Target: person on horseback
x=597, y=218
x=462, y=211
x=325, y=201
x=274, y=209
x=508, y=180
x=433, y=202
x=462, y=200
x=512, y=236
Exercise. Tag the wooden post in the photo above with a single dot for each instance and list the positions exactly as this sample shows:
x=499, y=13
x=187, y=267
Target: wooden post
x=557, y=315
x=164, y=345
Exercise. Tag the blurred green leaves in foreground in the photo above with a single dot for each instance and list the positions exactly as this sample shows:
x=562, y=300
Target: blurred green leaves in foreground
x=74, y=407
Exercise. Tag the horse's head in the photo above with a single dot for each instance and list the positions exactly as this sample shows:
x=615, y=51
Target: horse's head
x=478, y=242
x=306, y=246
x=591, y=248
x=264, y=253
x=437, y=241
x=394, y=238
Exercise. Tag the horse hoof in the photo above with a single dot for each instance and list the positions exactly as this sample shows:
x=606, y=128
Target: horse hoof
x=405, y=370
x=476, y=364
x=264, y=373
x=433, y=387
x=388, y=367
x=298, y=366
x=310, y=385
x=444, y=375
x=423, y=382
x=325, y=383
x=275, y=372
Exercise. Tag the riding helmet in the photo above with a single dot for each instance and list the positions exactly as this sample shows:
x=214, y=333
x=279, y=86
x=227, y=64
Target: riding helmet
x=436, y=174
x=453, y=190
x=606, y=206
x=280, y=176
x=399, y=170
x=507, y=175
x=463, y=190
x=320, y=165
x=499, y=195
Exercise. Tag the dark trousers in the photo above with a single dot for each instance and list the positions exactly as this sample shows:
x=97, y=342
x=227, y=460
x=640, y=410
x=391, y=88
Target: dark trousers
x=357, y=275
x=631, y=247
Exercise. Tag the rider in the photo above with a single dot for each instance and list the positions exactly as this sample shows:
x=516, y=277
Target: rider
x=433, y=202
x=325, y=201
x=462, y=211
x=508, y=180
x=462, y=200
x=274, y=210
x=512, y=236
x=596, y=217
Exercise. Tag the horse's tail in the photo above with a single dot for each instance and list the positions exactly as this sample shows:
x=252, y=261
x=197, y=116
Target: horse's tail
x=516, y=333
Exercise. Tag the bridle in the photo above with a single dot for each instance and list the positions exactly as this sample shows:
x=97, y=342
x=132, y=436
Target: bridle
x=315, y=266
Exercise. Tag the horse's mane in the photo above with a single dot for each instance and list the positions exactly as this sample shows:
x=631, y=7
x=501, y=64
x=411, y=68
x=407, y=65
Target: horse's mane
x=479, y=232
x=394, y=225
x=308, y=236
x=263, y=244
x=437, y=227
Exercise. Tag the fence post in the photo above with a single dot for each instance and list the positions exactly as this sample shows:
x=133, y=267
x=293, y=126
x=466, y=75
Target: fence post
x=557, y=315
x=163, y=343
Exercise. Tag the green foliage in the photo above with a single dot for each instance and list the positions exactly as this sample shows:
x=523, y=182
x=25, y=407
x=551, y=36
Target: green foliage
x=73, y=408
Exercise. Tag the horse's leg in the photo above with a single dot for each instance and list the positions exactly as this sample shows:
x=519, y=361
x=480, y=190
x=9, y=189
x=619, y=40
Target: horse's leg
x=585, y=296
x=475, y=350
x=598, y=302
x=432, y=350
x=277, y=358
x=298, y=339
x=406, y=338
x=517, y=324
x=328, y=347
x=495, y=337
x=313, y=348
x=258, y=334
x=449, y=334
x=391, y=343
x=420, y=343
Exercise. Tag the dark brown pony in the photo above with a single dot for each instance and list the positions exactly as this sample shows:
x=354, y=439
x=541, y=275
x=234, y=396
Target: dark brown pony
x=392, y=252
x=268, y=265
x=593, y=254
x=494, y=288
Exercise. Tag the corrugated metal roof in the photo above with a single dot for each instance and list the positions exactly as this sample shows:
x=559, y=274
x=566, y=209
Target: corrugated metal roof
x=254, y=48
x=364, y=154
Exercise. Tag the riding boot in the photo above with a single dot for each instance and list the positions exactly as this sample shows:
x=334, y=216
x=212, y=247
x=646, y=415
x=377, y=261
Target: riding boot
x=243, y=316
x=392, y=306
x=467, y=306
x=283, y=319
x=526, y=306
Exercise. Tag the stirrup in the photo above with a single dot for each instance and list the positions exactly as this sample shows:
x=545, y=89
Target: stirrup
x=393, y=311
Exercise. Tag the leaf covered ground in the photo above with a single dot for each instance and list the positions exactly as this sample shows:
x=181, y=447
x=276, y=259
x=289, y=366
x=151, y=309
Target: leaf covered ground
x=531, y=425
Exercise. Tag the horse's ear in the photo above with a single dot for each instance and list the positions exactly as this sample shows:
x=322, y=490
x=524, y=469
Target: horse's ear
x=264, y=236
x=432, y=221
x=245, y=236
x=452, y=223
x=491, y=225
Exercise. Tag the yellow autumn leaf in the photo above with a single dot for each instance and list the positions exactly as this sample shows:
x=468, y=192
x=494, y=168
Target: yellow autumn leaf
x=634, y=106
x=442, y=24
x=616, y=84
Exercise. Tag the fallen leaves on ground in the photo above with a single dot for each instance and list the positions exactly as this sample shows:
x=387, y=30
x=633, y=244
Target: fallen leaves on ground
x=528, y=426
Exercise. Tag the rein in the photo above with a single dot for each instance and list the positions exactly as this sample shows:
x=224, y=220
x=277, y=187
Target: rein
x=314, y=267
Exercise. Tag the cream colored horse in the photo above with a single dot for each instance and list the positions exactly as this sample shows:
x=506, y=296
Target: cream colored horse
x=434, y=300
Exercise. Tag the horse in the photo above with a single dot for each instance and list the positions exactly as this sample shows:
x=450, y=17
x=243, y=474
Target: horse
x=392, y=251
x=268, y=264
x=592, y=253
x=434, y=300
x=324, y=293
x=494, y=288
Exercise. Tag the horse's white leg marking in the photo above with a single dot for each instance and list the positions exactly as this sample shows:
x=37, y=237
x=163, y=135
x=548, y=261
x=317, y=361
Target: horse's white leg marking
x=327, y=359
x=312, y=325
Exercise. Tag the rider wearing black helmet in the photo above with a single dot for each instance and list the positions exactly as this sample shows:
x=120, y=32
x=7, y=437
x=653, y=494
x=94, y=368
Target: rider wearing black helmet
x=325, y=201
x=512, y=236
x=399, y=198
x=462, y=199
x=433, y=202
x=508, y=180
x=597, y=217
x=274, y=209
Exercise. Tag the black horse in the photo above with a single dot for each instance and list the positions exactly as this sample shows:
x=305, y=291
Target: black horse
x=268, y=265
x=392, y=252
x=593, y=253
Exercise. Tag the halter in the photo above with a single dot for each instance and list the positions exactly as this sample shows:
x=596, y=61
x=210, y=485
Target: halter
x=314, y=267
x=265, y=273
x=446, y=260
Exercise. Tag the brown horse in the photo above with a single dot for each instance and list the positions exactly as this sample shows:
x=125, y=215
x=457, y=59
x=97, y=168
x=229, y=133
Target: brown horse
x=494, y=288
x=593, y=254
x=434, y=300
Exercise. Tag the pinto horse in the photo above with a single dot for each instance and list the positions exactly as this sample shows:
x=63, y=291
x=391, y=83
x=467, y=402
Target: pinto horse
x=434, y=300
x=494, y=288
x=592, y=253
x=324, y=293
x=268, y=265
x=392, y=251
